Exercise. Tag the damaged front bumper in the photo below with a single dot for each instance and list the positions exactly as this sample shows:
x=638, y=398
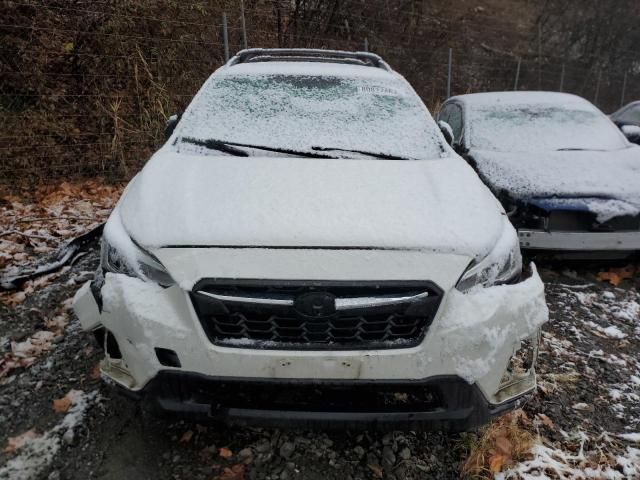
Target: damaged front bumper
x=579, y=241
x=438, y=404
x=156, y=346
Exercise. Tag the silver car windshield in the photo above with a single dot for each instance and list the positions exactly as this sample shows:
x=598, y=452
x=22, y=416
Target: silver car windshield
x=335, y=114
x=538, y=128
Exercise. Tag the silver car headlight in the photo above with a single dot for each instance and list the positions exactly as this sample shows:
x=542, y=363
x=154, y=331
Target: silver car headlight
x=502, y=265
x=134, y=262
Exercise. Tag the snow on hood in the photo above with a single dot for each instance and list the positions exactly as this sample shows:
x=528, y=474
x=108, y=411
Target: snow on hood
x=631, y=130
x=567, y=174
x=199, y=200
x=604, y=208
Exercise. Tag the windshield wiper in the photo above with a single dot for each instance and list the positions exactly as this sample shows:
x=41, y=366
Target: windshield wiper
x=577, y=149
x=229, y=147
x=384, y=156
x=213, y=144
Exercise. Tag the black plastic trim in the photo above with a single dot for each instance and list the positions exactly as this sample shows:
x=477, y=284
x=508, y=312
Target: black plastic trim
x=464, y=408
x=168, y=357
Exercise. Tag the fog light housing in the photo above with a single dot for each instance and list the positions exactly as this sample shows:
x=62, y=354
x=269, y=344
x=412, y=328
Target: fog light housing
x=519, y=375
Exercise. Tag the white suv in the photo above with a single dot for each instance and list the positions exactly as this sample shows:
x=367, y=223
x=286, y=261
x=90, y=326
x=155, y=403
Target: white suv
x=307, y=249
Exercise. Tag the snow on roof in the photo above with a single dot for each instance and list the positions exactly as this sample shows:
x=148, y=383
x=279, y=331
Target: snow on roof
x=523, y=98
x=307, y=68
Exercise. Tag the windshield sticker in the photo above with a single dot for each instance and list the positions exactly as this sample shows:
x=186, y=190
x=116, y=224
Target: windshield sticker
x=375, y=90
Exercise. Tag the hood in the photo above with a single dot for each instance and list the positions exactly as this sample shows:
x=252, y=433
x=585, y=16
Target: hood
x=566, y=174
x=182, y=199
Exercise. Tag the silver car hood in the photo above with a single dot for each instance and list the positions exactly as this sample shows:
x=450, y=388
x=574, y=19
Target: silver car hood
x=199, y=200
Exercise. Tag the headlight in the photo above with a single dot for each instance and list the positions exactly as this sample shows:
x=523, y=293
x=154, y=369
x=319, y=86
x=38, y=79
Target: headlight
x=502, y=265
x=135, y=262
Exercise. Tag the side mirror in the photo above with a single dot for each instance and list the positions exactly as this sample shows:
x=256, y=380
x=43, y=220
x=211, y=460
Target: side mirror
x=632, y=132
x=170, y=126
x=446, y=130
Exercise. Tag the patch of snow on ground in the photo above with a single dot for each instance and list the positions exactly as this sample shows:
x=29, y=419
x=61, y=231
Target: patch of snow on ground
x=614, y=332
x=548, y=462
x=585, y=298
x=629, y=311
x=632, y=437
x=630, y=462
x=34, y=456
x=615, y=394
x=615, y=360
x=561, y=464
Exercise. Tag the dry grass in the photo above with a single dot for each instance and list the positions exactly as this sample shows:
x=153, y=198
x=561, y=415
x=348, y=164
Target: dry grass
x=502, y=443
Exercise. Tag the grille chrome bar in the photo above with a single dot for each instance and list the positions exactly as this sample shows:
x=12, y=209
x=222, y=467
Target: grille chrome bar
x=348, y=303
x=248, y=299
x=382, y=301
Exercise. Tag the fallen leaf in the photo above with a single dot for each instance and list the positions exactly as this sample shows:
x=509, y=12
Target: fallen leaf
x=95, y=372
x=546, y=421
x=14, y=443
x=33, y=346
x=235, y=472
x=61, y=405
x=615, y=275
x=15, y=298
x=57, y=323
x=503, y=444
x=496, y=462
x=186, y=436
x=224, y=452
x=376, y=469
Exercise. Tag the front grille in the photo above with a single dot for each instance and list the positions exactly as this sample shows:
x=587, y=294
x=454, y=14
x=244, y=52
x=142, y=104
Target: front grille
x=626, y=222
x=576, y=221
x=315, y=315
x=569, y=220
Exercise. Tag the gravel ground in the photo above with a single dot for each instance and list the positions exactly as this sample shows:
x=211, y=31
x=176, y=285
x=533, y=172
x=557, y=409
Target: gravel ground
x=589, y=377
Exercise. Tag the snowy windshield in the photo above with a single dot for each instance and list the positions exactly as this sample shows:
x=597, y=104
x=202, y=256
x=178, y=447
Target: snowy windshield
x=538, y=128
x=375, y=114
x=630, y=115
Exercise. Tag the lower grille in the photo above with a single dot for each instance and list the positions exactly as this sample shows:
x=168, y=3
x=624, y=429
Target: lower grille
x=374, y=397
x=315, y=315
x=576, y=221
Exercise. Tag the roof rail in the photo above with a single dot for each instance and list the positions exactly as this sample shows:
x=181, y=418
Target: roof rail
x=251, y=55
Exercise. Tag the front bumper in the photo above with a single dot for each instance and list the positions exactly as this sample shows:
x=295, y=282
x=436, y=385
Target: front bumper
x=454, y=406
x=579, y=241
x=471, y=340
